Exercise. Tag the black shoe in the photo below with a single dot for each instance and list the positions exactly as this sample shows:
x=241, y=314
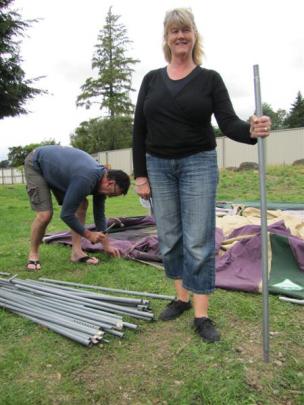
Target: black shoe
x=206, y=329
x=174, y=309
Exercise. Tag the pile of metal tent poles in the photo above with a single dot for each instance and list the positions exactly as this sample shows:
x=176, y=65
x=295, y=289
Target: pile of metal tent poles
x=73, y=309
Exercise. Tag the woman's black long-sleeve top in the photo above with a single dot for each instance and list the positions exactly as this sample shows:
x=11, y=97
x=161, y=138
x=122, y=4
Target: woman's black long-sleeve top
x=173, y=126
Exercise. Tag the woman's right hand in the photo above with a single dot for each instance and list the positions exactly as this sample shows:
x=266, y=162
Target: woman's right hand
x=142, y=187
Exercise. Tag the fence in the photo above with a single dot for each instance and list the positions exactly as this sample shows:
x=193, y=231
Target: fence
x=282, y=147
x=12, y=175
x=116, y=159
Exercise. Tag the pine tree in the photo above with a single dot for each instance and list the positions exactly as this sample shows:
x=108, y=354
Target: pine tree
x=295, y=118
x=110, y=90
x=15, y=89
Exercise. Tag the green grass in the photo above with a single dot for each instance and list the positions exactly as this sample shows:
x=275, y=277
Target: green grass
x=160, y=363
x=283, y=184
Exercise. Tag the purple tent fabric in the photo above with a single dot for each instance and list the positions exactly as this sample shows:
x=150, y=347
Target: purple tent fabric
x=239, y=268
x=297, y=247
x=135, y=239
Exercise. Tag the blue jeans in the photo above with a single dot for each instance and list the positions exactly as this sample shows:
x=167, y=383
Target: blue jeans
x=184, y=198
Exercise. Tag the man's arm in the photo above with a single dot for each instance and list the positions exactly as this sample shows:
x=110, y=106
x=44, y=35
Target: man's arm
x=77, y=191
x=100, y=223
x=99, y=212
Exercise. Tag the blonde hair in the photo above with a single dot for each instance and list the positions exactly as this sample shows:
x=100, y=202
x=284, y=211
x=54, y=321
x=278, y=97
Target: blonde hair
x=182, y=17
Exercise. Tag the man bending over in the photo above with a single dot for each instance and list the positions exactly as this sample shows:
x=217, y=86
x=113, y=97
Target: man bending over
x=71, y=174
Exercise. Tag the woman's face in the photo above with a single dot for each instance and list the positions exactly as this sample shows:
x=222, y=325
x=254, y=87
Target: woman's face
x=181, y=40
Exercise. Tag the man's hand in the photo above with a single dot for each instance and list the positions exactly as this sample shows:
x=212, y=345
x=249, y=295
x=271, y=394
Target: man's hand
x=112, y=251
x=94, y=237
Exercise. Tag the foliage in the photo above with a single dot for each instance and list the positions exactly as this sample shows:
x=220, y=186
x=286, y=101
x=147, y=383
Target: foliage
x=295, y=118
x=4, y=164
x=17, y=154
x=277, y=117
x=110, y=89
x=217, y=132
x=160, y=362
x=281, y=119
x=99, y=135
x=15, y=89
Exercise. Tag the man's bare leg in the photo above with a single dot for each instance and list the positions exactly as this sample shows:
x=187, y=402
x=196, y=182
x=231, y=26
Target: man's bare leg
x=77, y=252
x=38, y=228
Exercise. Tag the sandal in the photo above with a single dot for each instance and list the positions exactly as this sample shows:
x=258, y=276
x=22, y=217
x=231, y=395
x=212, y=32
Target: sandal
x=35, y=263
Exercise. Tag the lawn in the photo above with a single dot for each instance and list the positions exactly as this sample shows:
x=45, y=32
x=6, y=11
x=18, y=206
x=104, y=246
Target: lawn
x=161, y=362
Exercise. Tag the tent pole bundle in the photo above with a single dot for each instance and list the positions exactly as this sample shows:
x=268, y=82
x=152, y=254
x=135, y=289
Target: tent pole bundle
x=81, y=315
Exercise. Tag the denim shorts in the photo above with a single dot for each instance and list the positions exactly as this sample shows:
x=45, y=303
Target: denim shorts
x=184, y=198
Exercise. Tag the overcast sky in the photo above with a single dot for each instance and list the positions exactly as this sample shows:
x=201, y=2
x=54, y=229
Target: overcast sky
x=236, y=34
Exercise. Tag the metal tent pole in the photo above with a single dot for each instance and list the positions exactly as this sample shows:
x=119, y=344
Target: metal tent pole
x=118, y=309
x=263, y=207
x=89, y=294
x=116, y=290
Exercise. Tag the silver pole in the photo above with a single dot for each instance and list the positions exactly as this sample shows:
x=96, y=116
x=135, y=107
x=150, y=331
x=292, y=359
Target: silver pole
x=88, y=302
x=83, y=339
x=95, y=287
x=293, y=300
x=54, y=318
x=263, y=207
x=48, y=298
x=89, y=294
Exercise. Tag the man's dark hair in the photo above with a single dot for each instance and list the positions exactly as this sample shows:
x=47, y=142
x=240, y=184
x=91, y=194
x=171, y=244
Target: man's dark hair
x=121, y=178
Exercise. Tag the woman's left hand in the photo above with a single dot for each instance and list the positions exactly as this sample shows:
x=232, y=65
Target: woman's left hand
x=260, y=126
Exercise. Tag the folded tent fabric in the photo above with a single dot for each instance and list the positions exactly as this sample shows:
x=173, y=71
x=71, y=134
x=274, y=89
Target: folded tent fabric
x=238, y=267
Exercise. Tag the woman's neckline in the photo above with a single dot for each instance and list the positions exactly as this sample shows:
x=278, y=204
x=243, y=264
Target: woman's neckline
x=181, y=78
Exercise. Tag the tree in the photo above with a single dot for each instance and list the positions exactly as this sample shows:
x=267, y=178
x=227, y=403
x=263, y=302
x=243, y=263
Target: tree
x=295, y=118
x=17, y=154
x=277, y=117
x=15, y=89
x=217, y=132
x=99, y=135
x=110, y=90
x=4, y=164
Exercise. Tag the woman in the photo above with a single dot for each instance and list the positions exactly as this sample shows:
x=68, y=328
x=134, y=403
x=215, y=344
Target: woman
x=175, y=161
